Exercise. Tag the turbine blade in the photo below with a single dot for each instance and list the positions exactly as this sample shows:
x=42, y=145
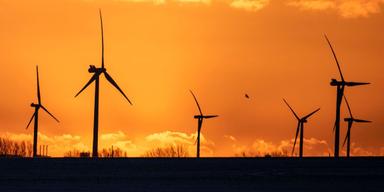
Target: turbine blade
x=38, y=85
x=297, y=117
x=334, y=55
x=46, y=110
x=109, y=78
x=93, y=78
x=361, y=121
x=102, y=39
x=210, y=116
x=349, y=108
x=30, y=120
x=297, y=134
x=345, y=140
x=199, y=125
x=306, y=117
x=197, y=103
x=351, y=84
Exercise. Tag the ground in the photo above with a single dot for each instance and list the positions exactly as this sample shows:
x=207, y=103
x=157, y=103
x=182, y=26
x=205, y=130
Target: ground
x=188, y=174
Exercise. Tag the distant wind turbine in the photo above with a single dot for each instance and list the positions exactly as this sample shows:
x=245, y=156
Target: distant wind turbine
x=36, y=115
x=300, y=128
x=350, y=121
x=340, y=85
x=95, y=78
x=200, y=119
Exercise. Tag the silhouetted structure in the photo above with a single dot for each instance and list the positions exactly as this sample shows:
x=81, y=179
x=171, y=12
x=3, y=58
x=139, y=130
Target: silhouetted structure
x=96, y=74
x=200, y=119
x=300, y=128
x=350, y=121
x=340, y=85
x=36, y=115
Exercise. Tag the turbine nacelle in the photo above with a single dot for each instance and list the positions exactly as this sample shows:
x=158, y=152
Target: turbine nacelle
x=93, y=69
x=35, y=105
x=335, y=82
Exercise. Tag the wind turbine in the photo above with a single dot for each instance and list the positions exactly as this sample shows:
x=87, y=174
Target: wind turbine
x=95, y=78
x=350, y=121
x=35, y=115
x=300, y=128
x=200, y=119
x=340, y=85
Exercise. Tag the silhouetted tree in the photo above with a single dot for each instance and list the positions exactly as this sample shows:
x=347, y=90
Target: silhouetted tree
x=112, y=152
x=169, y=151
x=9, y=148
x=72, y=153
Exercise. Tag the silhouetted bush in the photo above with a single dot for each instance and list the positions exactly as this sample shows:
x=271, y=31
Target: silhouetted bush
x=283, y=153
x=169, y=151
x=112, y=152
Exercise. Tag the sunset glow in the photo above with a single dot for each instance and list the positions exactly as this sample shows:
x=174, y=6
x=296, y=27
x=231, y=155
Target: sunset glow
x=157, y=50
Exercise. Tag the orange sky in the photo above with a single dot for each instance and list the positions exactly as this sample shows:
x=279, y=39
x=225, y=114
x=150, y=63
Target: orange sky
x=158, y=50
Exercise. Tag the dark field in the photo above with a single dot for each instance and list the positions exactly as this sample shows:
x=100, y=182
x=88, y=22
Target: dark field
x=206, y=174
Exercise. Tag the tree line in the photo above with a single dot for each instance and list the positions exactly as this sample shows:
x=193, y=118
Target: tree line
x=10, y=148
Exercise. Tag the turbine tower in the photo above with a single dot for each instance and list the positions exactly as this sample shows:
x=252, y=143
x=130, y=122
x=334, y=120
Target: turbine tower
x=350, y=121
x=200, y=119
x=300, y=128
x=35, y=115
x=340, y=85
x=95, y=78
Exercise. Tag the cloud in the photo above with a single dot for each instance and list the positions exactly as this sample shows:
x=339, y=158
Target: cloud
x=230, y=137
x=162, y=2
x=364, y=151
x=169, y=137
x=16, y=137
x=312, y=4
x=113, y=136
x=345, y=8
x=360, y=8
x=60, y=144
x=249, y=5
x=57, y=145
x=166, y=138
x=260, y=147
x=154, y=140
